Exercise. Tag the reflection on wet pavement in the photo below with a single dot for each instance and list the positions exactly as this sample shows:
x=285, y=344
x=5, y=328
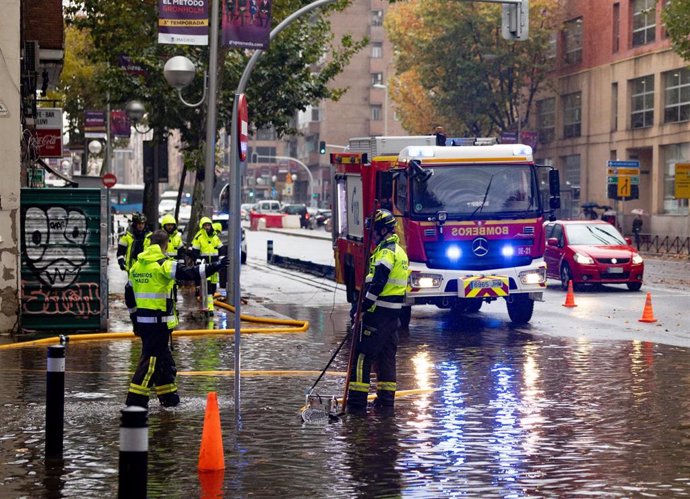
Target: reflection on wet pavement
x=512, y=414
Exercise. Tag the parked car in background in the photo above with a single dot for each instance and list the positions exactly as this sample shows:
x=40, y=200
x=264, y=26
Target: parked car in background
x=245, y=208
x=222, y=218
x=267, y=206
x=305, y=219
x=591, y=252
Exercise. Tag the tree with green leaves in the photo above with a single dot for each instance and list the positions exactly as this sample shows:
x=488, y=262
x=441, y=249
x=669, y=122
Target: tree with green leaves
x=676, y=17
x=452, y=58
x=282, y=83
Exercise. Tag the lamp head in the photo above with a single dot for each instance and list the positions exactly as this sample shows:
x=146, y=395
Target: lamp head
x=179, y=71
x=135, y=111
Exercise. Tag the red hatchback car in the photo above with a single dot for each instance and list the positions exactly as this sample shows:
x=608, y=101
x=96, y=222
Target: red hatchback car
x=591, y=252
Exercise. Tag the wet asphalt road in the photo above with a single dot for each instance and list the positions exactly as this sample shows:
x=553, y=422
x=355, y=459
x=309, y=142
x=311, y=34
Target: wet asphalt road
x=581, y=402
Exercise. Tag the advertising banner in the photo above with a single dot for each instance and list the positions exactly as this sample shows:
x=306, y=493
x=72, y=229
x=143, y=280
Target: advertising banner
x=49, y=132
x=682, y=181
x=183, y=22
x=246, y=24
x=119, y=123
x=94, y=124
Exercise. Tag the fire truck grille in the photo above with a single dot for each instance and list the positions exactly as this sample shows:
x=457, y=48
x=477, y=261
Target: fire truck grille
x=459, y=255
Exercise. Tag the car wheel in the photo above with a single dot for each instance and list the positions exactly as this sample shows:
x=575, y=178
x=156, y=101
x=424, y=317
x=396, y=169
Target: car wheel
x=634, y=286
x=566, y=275
x=520, y=308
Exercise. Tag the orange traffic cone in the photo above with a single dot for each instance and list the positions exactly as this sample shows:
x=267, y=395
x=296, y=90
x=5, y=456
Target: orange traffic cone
x=648, y=312
x=570, y=297
x=211, y=456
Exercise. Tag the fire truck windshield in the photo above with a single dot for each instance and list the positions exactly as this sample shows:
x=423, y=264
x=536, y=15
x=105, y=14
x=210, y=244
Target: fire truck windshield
x=476, y=191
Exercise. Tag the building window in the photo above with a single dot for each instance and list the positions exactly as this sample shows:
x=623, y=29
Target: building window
x=546, y=120
x=672, y=154
x=642, y=94
x=315, y=113
x=614, y=106
x=266, y=134
x=376, y=50
x=572, y=39
x=572, y=115
x=377, y=18
x=376, y=112
x=376, y=79
x=643, y=22
x=616, y=27
x=677, y=95
x=571, y=171
x=264, y=155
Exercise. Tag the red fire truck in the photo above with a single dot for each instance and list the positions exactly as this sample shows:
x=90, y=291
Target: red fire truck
x=470, y=218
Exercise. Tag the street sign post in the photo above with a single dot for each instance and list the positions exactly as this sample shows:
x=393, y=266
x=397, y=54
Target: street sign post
x=623, y=179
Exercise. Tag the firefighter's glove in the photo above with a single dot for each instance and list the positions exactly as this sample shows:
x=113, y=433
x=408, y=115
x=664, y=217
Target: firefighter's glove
x=368, y=305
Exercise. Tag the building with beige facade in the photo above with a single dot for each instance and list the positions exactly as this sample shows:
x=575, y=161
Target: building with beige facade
x=619, y=92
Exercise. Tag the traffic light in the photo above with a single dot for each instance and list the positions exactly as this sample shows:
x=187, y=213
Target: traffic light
x=515, y=21
x=322, y=147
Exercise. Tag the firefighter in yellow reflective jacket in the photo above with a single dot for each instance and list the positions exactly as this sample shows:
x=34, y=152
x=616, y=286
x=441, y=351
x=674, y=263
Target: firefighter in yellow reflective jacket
x=175, y=248
x=377, y=341
x=132, y=242
x=205, y=248
x=148, y=296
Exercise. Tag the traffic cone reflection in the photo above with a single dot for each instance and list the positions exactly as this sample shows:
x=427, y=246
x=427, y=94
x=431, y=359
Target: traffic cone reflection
x=570, y=297
x=211, y=457
x=648, y=312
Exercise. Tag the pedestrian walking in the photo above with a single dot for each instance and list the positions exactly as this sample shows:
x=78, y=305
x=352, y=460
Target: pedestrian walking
x=149, y=298
x=384, y=295
x=132, y=242
x=637, y=228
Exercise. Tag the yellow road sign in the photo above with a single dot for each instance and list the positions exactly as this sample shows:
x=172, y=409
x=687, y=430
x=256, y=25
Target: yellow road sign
x=624, y=187
x=682, y=181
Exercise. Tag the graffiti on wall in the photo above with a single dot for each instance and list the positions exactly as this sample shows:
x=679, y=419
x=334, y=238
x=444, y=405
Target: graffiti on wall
x=57, y=278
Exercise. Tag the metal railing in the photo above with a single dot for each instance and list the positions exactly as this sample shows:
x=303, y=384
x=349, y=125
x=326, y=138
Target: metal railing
x=655, y=243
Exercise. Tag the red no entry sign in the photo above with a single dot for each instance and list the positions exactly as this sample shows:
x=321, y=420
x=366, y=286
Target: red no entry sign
x=109, y=180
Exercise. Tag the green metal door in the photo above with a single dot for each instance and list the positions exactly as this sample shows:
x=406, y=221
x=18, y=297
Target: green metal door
x=63, y=238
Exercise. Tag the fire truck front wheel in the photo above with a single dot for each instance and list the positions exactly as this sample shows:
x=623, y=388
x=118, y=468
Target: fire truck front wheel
x=520, y=308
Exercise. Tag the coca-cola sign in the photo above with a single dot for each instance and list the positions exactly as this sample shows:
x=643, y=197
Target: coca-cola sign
x=49, y=132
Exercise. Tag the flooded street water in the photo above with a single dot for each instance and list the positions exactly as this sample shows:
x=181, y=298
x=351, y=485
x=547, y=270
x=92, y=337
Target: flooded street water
x=513, y=414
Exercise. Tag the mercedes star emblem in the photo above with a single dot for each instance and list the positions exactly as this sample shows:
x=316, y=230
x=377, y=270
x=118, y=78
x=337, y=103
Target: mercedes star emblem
x=480, y=246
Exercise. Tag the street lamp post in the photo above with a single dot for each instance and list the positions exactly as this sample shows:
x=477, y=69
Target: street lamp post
x=179, y=72
x=135, y=112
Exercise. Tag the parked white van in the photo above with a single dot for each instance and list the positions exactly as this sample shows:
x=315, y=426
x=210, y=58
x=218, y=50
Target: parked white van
x=267, y=206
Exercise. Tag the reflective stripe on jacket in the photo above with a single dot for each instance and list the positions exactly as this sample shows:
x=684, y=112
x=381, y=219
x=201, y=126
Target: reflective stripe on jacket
x=152, y=278
x=388, y=273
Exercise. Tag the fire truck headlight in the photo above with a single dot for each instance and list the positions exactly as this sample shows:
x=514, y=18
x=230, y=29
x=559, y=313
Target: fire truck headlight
x=536, y=276
x=418, y=280
x=507, y=251
x=453, y=252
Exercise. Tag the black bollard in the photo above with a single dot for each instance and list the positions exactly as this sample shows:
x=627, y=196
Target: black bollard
x=55, y=401
x=134, y=448
x=269, y=250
